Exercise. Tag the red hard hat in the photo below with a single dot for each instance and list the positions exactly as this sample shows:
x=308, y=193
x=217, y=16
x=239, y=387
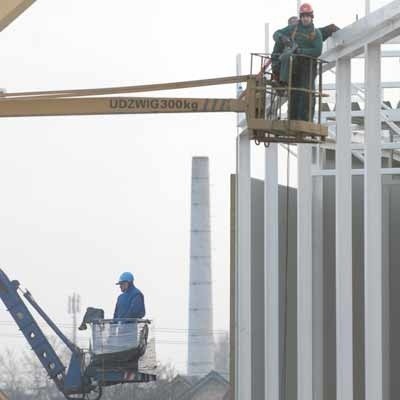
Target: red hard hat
x=306, y=8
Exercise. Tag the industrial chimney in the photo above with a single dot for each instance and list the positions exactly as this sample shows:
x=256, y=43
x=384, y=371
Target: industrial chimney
x=200, y=337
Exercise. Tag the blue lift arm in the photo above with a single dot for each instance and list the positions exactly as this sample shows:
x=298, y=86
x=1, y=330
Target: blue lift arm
x=31, y=330
x=84, y=381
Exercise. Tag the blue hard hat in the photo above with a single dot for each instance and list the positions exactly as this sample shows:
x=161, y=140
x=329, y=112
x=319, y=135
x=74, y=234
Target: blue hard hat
x=125, y=277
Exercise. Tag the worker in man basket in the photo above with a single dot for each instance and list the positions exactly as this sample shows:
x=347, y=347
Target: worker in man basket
x=278, y=49
x=130, y=303
x=301, y=41
x=326, y=32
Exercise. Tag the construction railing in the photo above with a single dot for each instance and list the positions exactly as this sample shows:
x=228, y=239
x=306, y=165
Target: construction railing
x=290, y=103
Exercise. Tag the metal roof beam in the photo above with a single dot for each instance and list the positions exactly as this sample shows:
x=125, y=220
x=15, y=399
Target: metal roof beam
x=391, y=114
x=361, y=85
x=385, y=53
x=379, y=26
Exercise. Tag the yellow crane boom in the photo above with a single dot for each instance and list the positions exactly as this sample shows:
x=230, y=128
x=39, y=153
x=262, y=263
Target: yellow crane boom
x=11, y=9
x=108, y=101
x=155, y=87
x=115, y=105
x=81, y=102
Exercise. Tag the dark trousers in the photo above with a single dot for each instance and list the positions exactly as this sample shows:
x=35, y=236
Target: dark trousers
x=302, y=102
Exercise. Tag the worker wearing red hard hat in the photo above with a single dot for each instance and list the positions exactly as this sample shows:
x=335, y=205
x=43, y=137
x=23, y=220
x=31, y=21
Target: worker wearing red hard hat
x=306, y=8
x=326, y=31
x=301, y=41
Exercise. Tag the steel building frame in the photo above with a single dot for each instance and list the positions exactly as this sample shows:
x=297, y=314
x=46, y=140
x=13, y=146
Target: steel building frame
x=365, y=36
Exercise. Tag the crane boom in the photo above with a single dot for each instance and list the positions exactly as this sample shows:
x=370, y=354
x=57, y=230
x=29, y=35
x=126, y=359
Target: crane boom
x=79, y=102
x=99, y=102
x=115, y=105
x=153, y=87
x=11, y=9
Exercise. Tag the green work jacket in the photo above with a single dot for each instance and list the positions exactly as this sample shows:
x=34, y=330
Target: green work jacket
x=307, y=38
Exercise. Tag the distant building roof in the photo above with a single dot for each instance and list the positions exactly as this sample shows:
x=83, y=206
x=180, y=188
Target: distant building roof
x=213, y=386
x=178, y=386
x=192, y=379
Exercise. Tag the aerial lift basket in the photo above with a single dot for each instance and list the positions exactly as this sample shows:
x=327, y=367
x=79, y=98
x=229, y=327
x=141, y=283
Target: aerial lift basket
x=271, y=117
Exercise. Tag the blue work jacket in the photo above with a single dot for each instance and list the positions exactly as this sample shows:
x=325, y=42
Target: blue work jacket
x=130, y=304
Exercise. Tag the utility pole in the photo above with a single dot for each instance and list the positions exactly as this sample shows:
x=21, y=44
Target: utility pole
x=74, y=308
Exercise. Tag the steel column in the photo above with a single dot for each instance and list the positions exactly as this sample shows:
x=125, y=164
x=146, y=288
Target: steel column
x=373, y=225
x=344, y=265
x=318, y=282
x=243, y=363
x=271, y=268
x=304, y=275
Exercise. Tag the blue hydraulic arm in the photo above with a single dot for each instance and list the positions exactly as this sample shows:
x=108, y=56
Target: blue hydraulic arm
x=31, y=330
x=68, y=343
x=82, y=380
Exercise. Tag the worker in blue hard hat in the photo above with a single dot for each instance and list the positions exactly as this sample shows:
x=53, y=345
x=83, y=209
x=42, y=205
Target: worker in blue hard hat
x=130, y=303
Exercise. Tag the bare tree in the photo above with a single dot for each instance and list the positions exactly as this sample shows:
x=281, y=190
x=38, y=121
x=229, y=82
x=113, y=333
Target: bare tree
x=12, y=378
x=22, y=377
x=39, y=384
x=221, y=358
x=166, y=372
x=143, y=391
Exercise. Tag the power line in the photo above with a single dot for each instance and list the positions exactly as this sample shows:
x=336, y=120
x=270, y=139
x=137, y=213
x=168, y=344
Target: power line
x=156, y=329
x=174, y=342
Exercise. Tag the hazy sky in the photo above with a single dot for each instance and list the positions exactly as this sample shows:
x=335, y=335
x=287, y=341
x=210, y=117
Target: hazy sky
x=85, y=198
